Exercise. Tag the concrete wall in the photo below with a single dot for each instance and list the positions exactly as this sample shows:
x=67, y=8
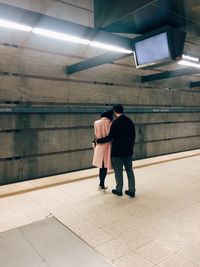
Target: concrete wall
x=32, y=75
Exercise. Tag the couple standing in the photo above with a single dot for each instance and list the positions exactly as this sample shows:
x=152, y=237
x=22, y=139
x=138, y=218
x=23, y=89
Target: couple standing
x=114, y=148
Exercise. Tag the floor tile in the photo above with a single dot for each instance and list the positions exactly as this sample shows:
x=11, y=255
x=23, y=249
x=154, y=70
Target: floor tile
x=176, y=261
x=96, y=238
x=113, y=249
x=154, y=252
x=133, y=260
x=178, y=239
x=191, y=253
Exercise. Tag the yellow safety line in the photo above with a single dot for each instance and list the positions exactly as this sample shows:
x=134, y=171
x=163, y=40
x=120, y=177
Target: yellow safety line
x=87, y=177
x=165, y=160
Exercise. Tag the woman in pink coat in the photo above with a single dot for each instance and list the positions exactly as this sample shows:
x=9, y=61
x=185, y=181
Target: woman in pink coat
x=102, y=152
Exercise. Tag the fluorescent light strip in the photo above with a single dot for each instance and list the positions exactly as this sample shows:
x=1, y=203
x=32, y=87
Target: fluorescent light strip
x=189, y=63
x=16, y=26
x=187, y=57
x=62, y=36
x=74, y=39
x=110, y=47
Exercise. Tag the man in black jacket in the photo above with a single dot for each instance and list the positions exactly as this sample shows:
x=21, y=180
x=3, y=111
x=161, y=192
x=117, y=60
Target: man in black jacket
x=122, y=135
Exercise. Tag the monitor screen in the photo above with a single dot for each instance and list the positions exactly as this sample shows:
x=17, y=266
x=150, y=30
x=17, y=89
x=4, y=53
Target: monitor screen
x=161, y=46
x=152, y=50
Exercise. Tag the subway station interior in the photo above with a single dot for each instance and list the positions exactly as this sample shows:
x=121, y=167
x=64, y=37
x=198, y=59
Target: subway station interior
x=62, y=64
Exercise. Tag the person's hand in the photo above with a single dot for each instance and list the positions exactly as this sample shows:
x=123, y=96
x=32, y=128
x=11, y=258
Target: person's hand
x=93, y=144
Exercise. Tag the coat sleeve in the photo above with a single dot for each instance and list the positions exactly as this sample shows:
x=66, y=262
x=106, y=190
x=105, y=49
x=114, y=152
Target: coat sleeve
x=110, y=136
x=95, y=130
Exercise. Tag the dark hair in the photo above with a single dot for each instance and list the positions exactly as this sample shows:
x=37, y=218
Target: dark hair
x=118, y=108
x=107, y=114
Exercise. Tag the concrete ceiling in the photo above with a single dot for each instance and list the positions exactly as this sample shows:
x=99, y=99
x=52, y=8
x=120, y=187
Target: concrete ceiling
x=142, y=16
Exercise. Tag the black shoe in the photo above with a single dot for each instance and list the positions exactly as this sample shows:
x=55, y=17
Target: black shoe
x=130, y=194
x=115, y=192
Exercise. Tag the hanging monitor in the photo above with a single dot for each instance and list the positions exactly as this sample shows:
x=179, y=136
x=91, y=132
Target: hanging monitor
x=158, y=47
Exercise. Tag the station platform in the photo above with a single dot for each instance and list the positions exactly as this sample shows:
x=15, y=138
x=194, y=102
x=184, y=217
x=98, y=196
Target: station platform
x=159, y=227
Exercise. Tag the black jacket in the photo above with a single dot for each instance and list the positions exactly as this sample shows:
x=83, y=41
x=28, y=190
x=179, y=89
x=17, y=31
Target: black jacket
x=122, y=135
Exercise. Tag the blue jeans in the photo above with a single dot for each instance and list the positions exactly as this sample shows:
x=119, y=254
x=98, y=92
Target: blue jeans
x=118, y=164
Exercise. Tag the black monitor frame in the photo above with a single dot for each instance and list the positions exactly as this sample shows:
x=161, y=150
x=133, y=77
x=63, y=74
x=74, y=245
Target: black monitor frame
x=174, y=53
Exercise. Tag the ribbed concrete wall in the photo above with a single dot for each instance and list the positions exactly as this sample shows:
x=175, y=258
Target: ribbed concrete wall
x=32, y=75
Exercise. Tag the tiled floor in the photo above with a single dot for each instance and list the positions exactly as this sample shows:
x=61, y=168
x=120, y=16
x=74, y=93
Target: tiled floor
x=160, y=227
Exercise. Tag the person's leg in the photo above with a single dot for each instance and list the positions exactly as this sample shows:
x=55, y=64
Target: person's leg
x=117, y=164
x=130, y=174
x=102, y=176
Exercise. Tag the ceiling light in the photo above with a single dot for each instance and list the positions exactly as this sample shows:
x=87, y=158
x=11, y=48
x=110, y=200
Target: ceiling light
x=16, y=26
x=189, y=63
x=187, y=57
x=60, y=36
x=74, y=39
x=110, y=47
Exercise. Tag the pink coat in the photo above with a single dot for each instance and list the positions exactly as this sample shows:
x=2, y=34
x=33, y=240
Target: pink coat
x=102, y=152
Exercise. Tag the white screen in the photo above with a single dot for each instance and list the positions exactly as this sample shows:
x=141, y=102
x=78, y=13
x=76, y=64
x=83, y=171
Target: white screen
x=152, y=49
